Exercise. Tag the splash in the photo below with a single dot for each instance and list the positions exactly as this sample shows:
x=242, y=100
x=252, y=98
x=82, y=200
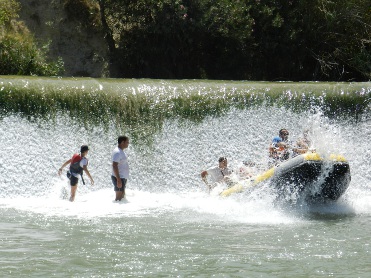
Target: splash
x=166, y=158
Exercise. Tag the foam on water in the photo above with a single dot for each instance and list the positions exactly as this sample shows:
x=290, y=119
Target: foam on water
x=165, y=174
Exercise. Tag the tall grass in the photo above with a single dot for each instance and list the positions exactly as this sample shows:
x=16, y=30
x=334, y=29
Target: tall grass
x=133, y=102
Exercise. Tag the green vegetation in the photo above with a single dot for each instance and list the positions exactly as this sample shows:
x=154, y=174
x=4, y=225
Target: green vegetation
x=19, y=53
x=303, y=40
x=85, y=11
x=250, y=39
x=151, y=101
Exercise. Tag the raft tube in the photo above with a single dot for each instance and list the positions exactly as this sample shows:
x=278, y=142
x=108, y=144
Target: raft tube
x=309, y=176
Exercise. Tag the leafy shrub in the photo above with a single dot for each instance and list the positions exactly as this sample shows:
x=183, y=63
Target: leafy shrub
x=19, y=54
x=85, y=11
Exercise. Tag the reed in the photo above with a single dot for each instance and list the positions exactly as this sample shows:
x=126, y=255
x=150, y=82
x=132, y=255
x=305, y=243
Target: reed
x=133, y=102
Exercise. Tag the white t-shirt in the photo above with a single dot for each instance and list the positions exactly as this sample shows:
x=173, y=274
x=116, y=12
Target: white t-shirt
x=121, y=158
x=216, y=174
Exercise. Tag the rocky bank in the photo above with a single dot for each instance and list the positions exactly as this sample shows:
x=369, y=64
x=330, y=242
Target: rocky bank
x=83, y=50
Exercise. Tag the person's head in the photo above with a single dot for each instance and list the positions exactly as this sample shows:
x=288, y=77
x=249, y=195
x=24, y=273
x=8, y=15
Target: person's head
x=84, y=149
x=223, y=162
x=123, y=142
x=284, y=134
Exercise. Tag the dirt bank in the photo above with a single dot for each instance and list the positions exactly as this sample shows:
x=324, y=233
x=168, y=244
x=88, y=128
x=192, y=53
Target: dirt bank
x=83, y=50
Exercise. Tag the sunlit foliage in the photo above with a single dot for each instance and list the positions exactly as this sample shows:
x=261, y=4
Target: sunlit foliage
x=19, y=53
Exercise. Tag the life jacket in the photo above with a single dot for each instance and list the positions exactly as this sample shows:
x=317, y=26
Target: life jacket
x=278, y=153
x=75, y=164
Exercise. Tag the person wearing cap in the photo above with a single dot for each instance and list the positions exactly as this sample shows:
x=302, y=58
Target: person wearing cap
x=120, y=167
x=217, y=174
x=78, y=165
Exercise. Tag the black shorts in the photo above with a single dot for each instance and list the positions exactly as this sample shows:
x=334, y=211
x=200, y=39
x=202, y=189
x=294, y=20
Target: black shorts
x=73, y=180
x=114, y=182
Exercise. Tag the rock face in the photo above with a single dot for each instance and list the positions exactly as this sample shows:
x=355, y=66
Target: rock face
x=83, y=50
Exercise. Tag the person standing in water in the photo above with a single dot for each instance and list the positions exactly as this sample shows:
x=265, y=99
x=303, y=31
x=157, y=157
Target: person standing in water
x=120, y=167
x=78, y=165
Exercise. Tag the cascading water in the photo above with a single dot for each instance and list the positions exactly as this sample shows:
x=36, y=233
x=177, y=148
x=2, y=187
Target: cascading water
x=170, y=157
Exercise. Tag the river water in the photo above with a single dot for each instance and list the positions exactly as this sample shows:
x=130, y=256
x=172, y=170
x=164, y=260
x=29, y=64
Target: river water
x=169, y=226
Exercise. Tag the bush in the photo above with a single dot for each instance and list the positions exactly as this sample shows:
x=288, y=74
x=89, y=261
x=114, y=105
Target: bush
x=21, y=57
x=8, y=10
x=85, y=11
x=19, y=54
